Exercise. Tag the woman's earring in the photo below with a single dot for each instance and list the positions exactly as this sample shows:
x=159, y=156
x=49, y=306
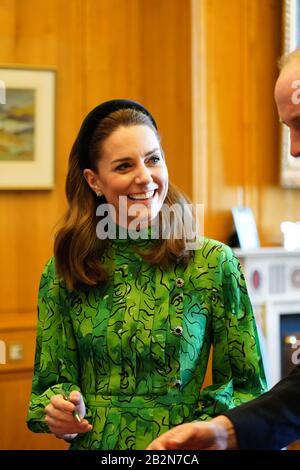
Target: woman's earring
x=98, y=193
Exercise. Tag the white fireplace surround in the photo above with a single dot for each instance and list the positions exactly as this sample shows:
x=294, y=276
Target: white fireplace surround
x=273, y=281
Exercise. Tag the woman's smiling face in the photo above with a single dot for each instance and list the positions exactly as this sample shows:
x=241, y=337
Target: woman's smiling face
x=132, y=165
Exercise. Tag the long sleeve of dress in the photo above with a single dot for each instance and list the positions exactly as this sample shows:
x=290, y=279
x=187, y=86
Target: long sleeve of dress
x=56, y=365
x=272, y=421
x=238, y=374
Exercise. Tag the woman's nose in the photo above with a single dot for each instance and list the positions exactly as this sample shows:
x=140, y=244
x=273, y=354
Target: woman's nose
x=143, y=175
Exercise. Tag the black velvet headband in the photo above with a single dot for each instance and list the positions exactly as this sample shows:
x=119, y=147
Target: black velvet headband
x=92, y=120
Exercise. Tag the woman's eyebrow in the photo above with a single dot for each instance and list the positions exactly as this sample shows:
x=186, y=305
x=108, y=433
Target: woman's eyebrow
x=122, y=159
x=152, y=151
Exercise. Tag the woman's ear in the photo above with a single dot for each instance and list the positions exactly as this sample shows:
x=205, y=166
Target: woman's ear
x=92, y=180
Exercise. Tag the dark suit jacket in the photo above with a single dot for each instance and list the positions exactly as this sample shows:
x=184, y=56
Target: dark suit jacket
x=272, y=420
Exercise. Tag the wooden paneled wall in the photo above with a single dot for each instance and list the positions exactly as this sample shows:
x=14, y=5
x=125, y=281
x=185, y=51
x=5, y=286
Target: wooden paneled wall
x=236, y=45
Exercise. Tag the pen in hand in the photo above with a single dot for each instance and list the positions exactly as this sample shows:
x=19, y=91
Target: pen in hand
x=75, y=412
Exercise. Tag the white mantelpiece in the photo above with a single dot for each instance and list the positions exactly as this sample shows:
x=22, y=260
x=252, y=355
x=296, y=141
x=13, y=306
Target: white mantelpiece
x=273, y=281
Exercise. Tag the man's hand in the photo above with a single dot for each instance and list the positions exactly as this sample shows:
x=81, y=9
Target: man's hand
x=217, y=434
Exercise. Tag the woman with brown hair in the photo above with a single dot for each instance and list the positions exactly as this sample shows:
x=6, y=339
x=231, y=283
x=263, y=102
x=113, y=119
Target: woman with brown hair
x=127, y=310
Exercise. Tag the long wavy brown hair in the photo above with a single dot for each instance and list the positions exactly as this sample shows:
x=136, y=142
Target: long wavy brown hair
x=77, y=250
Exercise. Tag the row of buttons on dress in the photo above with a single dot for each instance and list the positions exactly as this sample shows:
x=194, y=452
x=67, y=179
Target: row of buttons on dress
x=177, y=331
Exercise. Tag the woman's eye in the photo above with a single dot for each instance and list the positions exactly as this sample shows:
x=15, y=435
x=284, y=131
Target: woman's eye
x=122, y=167
x=154, y=159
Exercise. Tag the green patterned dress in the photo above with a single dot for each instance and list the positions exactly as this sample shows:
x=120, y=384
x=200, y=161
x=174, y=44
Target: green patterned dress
x=137, y=348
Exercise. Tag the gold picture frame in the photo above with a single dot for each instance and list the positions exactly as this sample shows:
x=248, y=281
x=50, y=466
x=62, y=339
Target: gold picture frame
x=27, y=128
x=290, y=166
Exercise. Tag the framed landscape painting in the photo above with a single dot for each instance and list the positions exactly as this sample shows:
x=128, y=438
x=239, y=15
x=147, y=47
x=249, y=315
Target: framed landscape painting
x=27, y=142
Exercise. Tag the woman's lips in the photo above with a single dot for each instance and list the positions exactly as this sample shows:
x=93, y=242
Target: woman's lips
x=142, y=196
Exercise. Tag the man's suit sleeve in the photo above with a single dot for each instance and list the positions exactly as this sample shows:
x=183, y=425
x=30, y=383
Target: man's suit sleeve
x=272, y=420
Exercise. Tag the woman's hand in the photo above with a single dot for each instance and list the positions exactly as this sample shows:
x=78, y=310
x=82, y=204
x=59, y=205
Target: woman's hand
x=217, y=434
x=60, y=419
